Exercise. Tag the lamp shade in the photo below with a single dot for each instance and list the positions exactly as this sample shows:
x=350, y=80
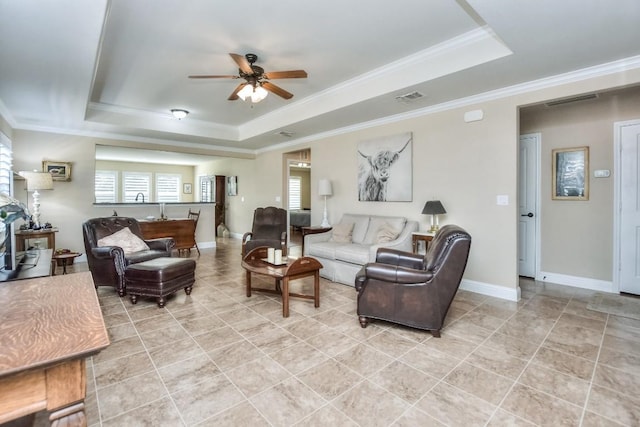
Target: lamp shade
x=38, y=180
x=433, y=207
x=324, y=187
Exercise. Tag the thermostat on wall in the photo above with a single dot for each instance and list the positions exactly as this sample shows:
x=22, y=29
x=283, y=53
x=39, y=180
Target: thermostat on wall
x=601, y=173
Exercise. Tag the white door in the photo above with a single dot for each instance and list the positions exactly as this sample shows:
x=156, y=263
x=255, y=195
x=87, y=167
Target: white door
x=629, y=275
x=528, y=204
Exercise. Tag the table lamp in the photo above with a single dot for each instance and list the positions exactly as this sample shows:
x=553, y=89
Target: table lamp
x=324, y=189
x=434, y=208
x=37, y=181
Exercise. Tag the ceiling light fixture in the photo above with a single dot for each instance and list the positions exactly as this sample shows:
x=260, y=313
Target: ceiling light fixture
x=256, y=93
x=179, y=114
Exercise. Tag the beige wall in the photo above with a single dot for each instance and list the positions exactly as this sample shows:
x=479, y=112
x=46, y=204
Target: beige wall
x=69, y=204
x=577, y=236
x=465, y=165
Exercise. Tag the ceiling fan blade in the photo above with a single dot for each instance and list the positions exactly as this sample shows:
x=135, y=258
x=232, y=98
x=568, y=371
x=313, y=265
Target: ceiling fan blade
x=214, y=77
x=277, y=90
x=242, y=63
x=293, y=74
x=234, y=94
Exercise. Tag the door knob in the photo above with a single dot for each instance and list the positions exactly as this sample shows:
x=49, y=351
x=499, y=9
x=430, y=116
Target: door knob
x=530, y=215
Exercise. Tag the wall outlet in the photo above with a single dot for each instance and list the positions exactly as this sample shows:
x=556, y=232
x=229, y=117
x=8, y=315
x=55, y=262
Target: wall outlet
x=601, y=173
x=502, y=200
x=278, y=199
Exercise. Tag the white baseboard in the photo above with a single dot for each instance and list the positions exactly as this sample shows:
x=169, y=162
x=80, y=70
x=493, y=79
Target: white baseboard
x=510, y=294
x=203, y=245
x=577, y=282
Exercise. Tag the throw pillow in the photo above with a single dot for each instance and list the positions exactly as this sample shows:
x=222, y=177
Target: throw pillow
x=125, y=239
x=342, y=232
x=386, y=233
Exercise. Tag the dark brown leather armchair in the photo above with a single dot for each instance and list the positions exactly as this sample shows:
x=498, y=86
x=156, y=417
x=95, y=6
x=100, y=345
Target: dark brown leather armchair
x=269, y=229
x=107, y=263
x=414, y=290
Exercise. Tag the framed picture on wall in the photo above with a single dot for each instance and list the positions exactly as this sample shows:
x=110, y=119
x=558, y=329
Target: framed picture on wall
x=187, y=188
x=570, y=173
x=60, y=171
x=385, y=169
x=232, y=185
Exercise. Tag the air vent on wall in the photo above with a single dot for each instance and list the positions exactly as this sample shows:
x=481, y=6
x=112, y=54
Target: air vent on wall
x=572, y=99
x=409, y=97
x=285, y=133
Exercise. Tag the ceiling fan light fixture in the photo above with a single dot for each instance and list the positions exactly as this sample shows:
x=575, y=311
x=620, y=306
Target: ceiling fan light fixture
x=245, y=92
x=259, y=93
x=179, y=113
x=256, y=94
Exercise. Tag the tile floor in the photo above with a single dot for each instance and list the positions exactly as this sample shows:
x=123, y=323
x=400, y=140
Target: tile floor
x=218, y=358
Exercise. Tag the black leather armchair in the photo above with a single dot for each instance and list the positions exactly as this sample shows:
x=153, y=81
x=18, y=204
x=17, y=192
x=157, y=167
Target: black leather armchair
x=108, y=263
x=414, y=290
x=269, y=229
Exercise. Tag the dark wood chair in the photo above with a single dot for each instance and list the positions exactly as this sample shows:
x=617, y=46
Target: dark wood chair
x=414, y=290
x=195, y=216
x=269, y=229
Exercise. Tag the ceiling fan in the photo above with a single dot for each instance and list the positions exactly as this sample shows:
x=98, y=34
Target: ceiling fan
x=257, y=80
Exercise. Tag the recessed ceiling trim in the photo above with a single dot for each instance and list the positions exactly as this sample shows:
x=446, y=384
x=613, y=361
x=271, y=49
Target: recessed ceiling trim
x=571, y=100
x=613, y=67
x=465, y=51
x=119, y=116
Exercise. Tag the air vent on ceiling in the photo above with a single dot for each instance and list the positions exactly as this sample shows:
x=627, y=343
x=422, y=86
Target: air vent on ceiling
x=285, y=133
x=572, y=99
x=409, y=97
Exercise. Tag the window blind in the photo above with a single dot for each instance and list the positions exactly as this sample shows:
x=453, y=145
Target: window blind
x=106, y=186
x=167, y=187
x=134, y=183
x=295, y=196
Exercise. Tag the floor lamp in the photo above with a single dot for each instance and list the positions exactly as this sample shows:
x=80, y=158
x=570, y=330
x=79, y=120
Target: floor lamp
x=324, y=189
x=37, y=181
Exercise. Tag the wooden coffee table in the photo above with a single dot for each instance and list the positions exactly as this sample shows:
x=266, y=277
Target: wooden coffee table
x=255, y=262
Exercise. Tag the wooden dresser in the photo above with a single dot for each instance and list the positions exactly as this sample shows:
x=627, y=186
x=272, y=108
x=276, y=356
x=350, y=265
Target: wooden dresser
x=182, y=230
x=48, y=326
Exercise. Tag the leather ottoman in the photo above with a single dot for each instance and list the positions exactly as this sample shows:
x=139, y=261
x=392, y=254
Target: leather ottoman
x=159, y=278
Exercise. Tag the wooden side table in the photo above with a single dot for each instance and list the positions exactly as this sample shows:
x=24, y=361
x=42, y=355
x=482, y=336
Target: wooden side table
x=64, y=260
x=24, y=235
x=315, y=229
x=423, y=236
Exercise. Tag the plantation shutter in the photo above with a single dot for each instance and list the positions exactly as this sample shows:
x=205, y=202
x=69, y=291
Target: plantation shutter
x=135, y=183
x=106, y=186
x=295, y=195
x=167, y=188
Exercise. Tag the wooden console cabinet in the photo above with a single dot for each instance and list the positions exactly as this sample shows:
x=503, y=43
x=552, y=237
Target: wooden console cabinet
x=182, y=230
x=48, y=326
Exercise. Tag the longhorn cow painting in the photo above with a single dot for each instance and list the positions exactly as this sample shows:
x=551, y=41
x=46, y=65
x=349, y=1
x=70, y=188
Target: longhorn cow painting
x=385, y=169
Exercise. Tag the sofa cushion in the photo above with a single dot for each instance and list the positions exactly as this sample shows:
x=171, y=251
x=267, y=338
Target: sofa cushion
x=376, y=222
x=125, y=239
x=342, y=232
x=353, y=253
x=324, y=249
x=360, y=225
x=386, y=233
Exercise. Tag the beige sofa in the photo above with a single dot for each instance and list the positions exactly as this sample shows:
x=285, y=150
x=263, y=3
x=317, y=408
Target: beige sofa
x=343, y=253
